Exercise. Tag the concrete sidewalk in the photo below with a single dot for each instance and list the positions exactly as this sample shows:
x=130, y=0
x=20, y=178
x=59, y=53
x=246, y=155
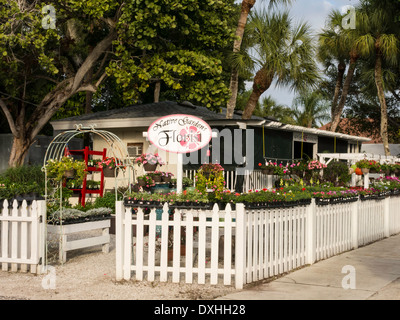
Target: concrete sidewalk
x=376, y=269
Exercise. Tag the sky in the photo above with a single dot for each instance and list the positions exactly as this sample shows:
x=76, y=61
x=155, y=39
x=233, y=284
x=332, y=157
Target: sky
x=315, y=13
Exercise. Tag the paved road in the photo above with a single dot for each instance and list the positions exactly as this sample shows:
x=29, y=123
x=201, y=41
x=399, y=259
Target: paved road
x=373, y=273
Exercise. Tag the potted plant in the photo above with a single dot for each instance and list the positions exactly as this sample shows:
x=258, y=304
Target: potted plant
x=92, y=185
x=210, y=178
x=186, y=182
x=364, y=165
x=337, y=173
x=280, y=170
x=146, y=181
x=267, y=168
x=156, y=176
x=228, y=197
x=298, y=168
x=374, y=166
x=166, y=176
x=386, y=168
x=110, y=166
x=149, y=161
x=67, y=167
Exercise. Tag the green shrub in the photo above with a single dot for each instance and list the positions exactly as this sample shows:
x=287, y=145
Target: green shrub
x=22, y=180
x=107, y=201
x=337, y=173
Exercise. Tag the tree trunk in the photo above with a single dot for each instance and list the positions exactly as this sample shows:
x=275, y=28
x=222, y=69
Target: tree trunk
x=233, y=86
x=247, y=5
x=382, y=100
x=346, y=87
x=338, y=87
x=19, y=151
x=52, y=102
x=262, y=81
x=157, y=91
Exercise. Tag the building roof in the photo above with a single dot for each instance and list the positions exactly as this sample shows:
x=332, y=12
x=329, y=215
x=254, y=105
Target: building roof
x=143, y=115
x=378, y=148
x=349, y=127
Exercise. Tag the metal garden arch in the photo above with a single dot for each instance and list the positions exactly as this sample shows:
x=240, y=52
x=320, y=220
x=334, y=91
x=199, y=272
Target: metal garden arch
x=56, y=151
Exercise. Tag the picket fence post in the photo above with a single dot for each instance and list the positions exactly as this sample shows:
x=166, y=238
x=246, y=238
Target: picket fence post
x=119, y=240
x=386, y=217
x=311, y=232
x=354, y=223
x=240, y=246
x=127, y=243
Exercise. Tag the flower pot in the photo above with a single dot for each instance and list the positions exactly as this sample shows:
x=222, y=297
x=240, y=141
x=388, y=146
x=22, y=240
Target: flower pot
x=365, y=170
x=141, y=182
x=165, y=179
x=150, y=167
x=156, y=178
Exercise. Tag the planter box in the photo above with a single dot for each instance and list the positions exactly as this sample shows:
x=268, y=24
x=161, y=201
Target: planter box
x=322, y=202
x=64, y=230
x=143, y=203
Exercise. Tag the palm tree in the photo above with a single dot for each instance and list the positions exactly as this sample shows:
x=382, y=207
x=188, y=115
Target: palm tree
x=269, y=107
x=310, y=109
x=337, y=45
x=379, y=40
x=284, y=53
x=246, y=7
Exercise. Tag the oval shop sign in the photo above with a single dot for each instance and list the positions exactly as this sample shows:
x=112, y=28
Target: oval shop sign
x=179, y=133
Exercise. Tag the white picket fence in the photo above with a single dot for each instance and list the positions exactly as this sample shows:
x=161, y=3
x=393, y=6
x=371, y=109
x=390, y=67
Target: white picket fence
x=22, y=235
x=244, y=245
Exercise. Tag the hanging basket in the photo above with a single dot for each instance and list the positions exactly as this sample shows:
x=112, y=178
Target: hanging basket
x=150, y=167
x=69, y=173
x=110, y=173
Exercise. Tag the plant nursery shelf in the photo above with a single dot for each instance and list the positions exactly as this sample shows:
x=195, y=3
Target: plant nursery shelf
x=86, y=153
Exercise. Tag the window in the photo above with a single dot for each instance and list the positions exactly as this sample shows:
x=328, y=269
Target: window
x=135, y=149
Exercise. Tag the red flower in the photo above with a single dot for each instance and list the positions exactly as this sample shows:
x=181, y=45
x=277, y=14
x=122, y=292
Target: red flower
x=259, y=164
x=304, y=189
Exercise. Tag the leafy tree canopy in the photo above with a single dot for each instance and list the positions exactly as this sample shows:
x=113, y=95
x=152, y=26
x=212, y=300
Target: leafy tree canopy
x=72, y=46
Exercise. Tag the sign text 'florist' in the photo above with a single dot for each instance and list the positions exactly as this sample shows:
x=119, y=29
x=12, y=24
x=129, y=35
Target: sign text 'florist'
x=179, y=133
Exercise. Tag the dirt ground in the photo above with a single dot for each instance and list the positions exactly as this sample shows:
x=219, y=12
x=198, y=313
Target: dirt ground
x=90, y=275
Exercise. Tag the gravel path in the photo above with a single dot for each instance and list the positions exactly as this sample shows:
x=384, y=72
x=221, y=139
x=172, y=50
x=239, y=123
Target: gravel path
x=90, y=275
